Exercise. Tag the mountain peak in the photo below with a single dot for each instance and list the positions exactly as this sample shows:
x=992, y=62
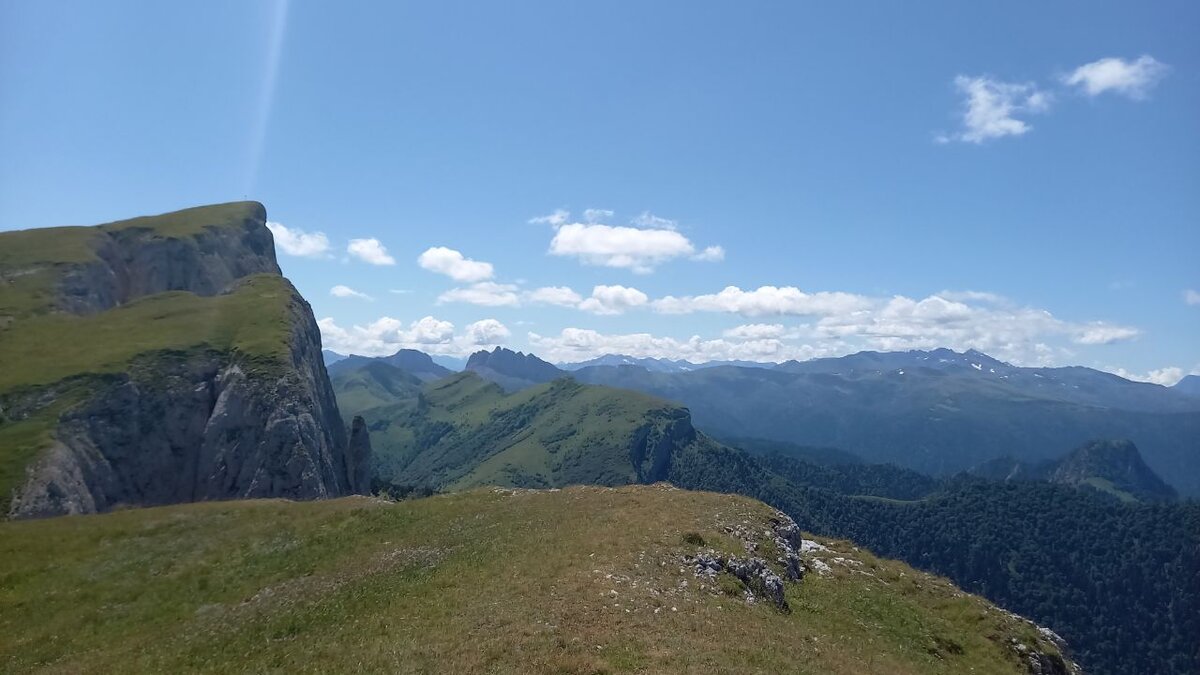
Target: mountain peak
x=1112, y=466
x=512, y=370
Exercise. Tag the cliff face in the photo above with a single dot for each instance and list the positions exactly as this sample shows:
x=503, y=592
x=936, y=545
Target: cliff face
x=211, y=421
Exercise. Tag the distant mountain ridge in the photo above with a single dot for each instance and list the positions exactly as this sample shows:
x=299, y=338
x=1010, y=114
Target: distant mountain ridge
x=658, y=365
x=414, y=362
x=938, y=411
x=1190, y=385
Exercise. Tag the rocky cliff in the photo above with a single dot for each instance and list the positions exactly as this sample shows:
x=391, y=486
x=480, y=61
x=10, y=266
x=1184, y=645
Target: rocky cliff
x=223, y=395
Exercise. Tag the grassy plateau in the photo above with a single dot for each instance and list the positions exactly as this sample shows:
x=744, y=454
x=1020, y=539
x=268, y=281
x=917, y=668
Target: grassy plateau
x=582, y=580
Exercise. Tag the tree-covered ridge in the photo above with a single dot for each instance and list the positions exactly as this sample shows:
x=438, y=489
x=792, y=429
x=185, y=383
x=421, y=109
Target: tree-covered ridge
x=1120, y=581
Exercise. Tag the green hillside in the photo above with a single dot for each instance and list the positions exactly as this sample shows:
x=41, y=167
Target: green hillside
x=582, y=580
x=463, y=431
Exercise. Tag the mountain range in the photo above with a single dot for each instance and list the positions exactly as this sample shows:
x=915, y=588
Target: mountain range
x=165, y=359
x=938, y=412
x=466, y=431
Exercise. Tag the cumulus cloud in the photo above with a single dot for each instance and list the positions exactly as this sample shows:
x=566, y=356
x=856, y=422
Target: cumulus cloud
x=651, y=241
x=559, y=217
x=1129, y=78
x=579, y=344
x=991, y=108
x=640, y=250
x=453, y=264
x=563, y=296
x=613, y=300
x=387, y=335
x=298, y=242
x=486, y=293
x=341, y=291
x=755, y=331
x=370, y=251
x=1191, y=297
x=763, y=301
x=487, y=332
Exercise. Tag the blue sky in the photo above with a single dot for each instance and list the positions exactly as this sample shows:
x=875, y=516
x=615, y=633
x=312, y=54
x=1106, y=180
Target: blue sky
x=776, y=181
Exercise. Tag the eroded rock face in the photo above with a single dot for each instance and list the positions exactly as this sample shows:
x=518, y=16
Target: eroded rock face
x=133, y=262
x=200, y=426
x=194, y=425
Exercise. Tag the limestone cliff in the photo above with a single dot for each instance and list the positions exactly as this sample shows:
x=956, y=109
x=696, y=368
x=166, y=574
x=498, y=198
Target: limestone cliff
x=232, y=407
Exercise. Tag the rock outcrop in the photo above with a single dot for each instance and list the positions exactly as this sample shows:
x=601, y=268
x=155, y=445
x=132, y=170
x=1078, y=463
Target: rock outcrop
x=512, y=370
x=195, y=424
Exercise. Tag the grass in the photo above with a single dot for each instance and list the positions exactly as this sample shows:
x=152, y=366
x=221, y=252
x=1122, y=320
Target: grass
x=253, y=320
x=583, y=580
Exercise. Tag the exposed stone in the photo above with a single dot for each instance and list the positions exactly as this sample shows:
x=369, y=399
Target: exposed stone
x=194, y=425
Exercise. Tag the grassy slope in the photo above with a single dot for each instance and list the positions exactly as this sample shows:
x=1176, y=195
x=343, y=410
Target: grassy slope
x=467, y=432
x=579, y=580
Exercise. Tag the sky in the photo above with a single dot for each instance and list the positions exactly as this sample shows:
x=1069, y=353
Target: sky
x=694, y=180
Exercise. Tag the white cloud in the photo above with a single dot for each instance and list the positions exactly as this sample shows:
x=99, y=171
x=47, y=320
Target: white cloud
x=453, y=264
x=578, y=344
x=400, y=291
x=974, y=296
x=563, y=296
x=559, y=217
x=629, y=247
x=1165, y=376
x=596, y=215
x=428, y=331
x=1016, y=334
x=341, y=291
x=1130, y=78
x=647, y=219
x=765, y=300
x=1100, y=333
x=755, y=331
x=371, y=251
x=613, y=300
x=710, y=254
x=991, y=107
x=387, y=335
x=487, y=332
x=1191, y=297
x=298, y=242
x=486, y=293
